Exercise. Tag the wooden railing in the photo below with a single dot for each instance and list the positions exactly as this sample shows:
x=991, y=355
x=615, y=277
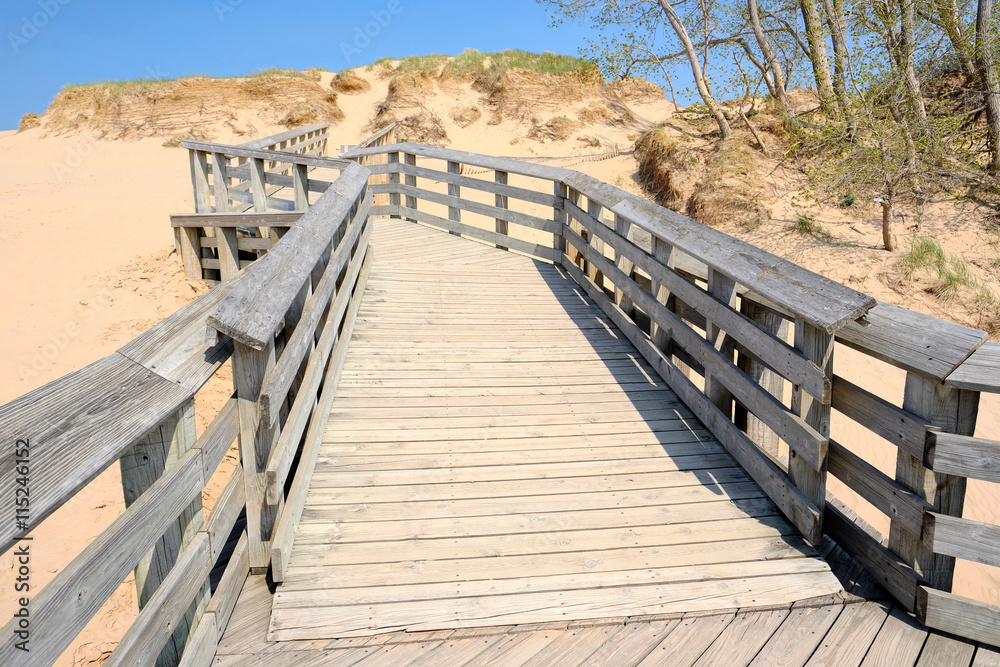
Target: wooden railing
x=239, y=214
x=284, y=322
x=727, y=325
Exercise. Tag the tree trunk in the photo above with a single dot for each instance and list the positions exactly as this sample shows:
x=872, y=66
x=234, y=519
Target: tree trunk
x=887, y=224
x=699, y=77
x=947, y=14
x=987, y=65
x=838, y=34
x=915, y=98
x=817, y=55
x=769, y=58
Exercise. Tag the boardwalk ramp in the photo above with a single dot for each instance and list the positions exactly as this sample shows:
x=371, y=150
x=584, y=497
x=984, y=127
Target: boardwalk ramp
x=498, y=453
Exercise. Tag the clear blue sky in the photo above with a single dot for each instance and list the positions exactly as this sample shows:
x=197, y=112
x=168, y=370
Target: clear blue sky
x=49, y=43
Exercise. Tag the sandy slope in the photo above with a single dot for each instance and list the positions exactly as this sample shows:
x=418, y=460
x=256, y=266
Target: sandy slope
x=86, y=263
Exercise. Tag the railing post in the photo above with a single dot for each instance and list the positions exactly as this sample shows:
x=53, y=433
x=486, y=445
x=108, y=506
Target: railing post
x=394, y=199
x=560, y=192
x=300, y=182
x=723, y=288
x=454, y=190
x=189, y=238
x=622, y=227
x=817, y=346
x=411, y=180
x=257, y=439
x=772, y=383
x=141, y=466
x=594, y=209
x=953, y=411
x=664, y=252
x=501, y=201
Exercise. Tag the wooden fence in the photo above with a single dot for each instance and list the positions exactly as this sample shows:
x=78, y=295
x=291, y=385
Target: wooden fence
x=237, y=216
x=284, y=323
x=728, y=326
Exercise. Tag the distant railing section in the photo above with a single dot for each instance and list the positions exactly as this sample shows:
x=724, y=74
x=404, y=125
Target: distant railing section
x=284, y=323
x=384, y=137
x=727, y=325
x=239, y=211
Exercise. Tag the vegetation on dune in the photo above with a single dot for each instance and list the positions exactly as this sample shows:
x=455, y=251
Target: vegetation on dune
x=908, y=93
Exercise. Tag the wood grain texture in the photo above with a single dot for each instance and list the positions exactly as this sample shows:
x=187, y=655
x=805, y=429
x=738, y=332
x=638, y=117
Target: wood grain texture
x=980, y=371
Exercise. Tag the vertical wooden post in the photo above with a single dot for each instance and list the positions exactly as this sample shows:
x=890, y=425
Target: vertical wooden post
x=501, y=201
x=141, y=466
x=394, y=199
x=250, y=367
x=560, y=192
x=189, y=238
x=220, y=182
x=199, y=180
x=722, y=288
x=229, y=253
x=594, y=209
x=257, y=185
x=300, y=183
x=772, y=383
x=817, y=346
x=411, y=180
x=454, y=190
x=622, y=227
x=953, y=411
x=664, y=252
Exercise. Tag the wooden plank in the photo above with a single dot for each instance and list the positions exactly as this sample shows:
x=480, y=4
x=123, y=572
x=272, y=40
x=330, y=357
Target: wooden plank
x=986, y=656
x=902, y=428
x=300, y=186
x=797, y=637
x=77, y=426
x=898, y=642
x=895, y=575
x=252, y=311
x=271, y=155
x=469, y=231
x=499, y=188
x=847, y=642
x=809, y=443
x=685, y=643
x=155, y=624
x=228, y=507
x=965, y=456
x=288, y=520
x=311, y=622
x=293, y=134
x=942, y=651
x=235, y=219
x=888, y=496
x=200, y=652
x=220, y=182
x=501, y=201
x=980, y=371
x=453, y=200
x=952, y=410
x=722, y=288
x=223, y=601
x=822, y=302
x=771, y=478
x=303, y=409
x=772, y=382
x=455, y=203
x=742, y=639
x=199, y=180
x=302, y=340
x=922, y=344
x=963, y=538
x=141, y=467
x=70, y=600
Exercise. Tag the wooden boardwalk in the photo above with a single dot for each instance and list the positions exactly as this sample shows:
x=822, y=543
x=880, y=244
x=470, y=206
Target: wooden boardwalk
x=499, y=454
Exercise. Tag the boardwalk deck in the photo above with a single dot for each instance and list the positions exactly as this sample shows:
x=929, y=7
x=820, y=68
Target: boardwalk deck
x=499, y=454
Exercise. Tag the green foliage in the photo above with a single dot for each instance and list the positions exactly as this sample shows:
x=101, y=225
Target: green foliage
x=951, y=272
x=488, y=68
x=806, y=224
x=847, y=199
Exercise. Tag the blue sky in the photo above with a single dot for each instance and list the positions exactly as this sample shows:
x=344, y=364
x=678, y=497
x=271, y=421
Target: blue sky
x=49, y=43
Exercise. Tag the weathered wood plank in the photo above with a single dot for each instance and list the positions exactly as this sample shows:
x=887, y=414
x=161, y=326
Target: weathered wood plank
x=919, y=343
x=797, y=637
x=965, y=456
x=271, y=155
x=898, y=642
x=847, y=642
x=963, y=538
x=980, y=371
x=224, y=599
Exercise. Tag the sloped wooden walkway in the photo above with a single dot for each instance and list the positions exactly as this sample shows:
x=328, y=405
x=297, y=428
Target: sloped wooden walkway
x=499, y=454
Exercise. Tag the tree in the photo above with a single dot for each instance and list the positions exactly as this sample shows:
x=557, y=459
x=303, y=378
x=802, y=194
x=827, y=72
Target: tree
x=986, y=63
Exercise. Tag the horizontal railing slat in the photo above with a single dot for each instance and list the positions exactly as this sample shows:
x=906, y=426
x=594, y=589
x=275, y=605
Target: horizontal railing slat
x=806, y=441
x=760, y=344
x=531, y=221
x=965, y=456
x=959, y=615
x=62, y=609
x=226, y=511
x=890, y=497
x=963, y=538
x=979, y=372
x=230, y=586
x=902, y=428
x=248, y=219
x=512, y=191
x=526, y=247
x=276, y=139
x=273, y=156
